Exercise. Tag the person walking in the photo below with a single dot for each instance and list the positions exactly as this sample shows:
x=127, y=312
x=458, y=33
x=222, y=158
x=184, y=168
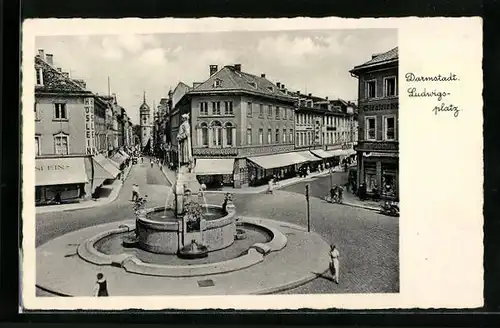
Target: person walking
x=142, y=160
x=332, y=194
x=101, y=286
x=135, y=192
x=340, y=193
x=334, y=263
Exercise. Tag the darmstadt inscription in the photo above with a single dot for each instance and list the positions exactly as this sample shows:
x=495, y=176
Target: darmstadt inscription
x=419, y=89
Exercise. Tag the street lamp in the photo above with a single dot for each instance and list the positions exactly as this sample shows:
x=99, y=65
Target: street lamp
x=308, y=211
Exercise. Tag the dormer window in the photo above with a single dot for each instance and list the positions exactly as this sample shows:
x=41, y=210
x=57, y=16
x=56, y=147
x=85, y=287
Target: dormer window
x=217, y=83
x=39, y=76
x=253, y=84
x=271, y=89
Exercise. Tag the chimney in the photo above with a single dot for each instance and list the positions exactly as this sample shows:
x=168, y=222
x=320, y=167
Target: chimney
x=298, y=93
x=283, y=86
x=326, y=98
x=59, y=69
x=41, y=53
x=50, y=59
x=263, y=75
x=310, y=95
x=375, y=55
x=278, y=84
x=213, y=69
x=237, y=67
x=65, y=74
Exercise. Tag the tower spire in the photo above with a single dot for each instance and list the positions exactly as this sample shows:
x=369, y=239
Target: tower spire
x=144, y=100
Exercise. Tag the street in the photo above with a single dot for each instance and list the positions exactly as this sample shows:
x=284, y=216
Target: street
x=367, y=241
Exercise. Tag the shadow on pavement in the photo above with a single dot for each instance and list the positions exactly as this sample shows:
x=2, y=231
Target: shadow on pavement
x=323, y=276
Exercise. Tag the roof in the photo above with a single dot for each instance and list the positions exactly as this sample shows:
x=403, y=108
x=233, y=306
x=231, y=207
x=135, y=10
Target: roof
x=386, y=57
x=234, y=80
x=55, y=81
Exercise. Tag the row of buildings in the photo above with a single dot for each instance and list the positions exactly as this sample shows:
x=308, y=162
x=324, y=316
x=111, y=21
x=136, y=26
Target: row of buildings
x=81, y=138
x=246, y=129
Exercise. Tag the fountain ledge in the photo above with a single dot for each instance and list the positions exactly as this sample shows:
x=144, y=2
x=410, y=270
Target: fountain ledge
x=132, y=264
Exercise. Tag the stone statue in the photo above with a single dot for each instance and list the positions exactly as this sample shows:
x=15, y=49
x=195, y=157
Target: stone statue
x=184, y=141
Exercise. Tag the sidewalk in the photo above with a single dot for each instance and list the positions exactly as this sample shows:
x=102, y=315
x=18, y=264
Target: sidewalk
x=170, y=175
x=350, y=199
x=115, y=187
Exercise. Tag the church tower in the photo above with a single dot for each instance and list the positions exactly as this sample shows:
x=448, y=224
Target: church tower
x=146, y=125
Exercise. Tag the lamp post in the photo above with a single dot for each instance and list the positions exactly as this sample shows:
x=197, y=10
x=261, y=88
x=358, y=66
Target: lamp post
x=308, y=211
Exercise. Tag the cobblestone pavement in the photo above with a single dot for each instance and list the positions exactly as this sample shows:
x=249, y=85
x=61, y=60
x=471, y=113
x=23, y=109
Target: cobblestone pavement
x=368, y=242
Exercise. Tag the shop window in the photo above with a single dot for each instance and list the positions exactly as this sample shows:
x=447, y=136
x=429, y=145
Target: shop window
x=371, y=128
x=216, y=108
x=261, y=136
x=390, y=128
x=228, y=127
x=37, y=145
x=389, y=183
x=390, y=86
x=370, y=176
x=249, y=136
x=249, y=109
x=61, y=144
x=203, y=108
x=371, y=89
x=60, y=111
x=228, y=108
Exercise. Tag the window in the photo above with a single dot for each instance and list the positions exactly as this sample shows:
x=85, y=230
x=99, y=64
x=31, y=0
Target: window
x=297, y=137
x=370, y=128
x=203, y=108
x=261, y=110
x=284, y=113
x=37, y=146
x=277, y=136
x=249, y=109
x=144, y=120
x=290, y=136
x=60, y=111
x=269, y=111
x=204, y=134
x=371, y=89
x=229, y=133
x=216, y=108
x=249, y=136
x=269, y=136
x=290, y=115
x=217, y=83
x=228, y=108
x=261, y=136
x=39, y=76
x=277, y=113
x=37, y=113
x=390, y=128
x=284, y=136
x=61, y=144
x=217, y=133
x=390, y=86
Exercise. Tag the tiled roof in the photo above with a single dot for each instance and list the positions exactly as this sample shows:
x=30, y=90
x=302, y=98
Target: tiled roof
x=232, y=80
x=54, y=81
x=390, y=55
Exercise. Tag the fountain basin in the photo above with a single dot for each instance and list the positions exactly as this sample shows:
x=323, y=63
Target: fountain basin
x=159, y=231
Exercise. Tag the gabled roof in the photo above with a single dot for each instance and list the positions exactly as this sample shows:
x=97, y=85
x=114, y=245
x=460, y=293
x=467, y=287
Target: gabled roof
x=55, y=81
x=231, y=79
x=386, y=57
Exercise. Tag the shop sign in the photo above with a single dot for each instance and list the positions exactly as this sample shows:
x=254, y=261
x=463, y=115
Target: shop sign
x=53, y=167
x=89, y=126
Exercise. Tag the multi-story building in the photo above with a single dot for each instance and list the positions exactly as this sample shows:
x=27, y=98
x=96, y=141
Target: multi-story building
x=68, y=166
x=145, y=117
x=378, y=147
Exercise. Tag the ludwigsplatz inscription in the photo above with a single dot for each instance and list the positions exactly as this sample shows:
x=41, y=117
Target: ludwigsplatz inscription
x=439, y=93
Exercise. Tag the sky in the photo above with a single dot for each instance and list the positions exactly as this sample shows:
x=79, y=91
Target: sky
x=312, y=61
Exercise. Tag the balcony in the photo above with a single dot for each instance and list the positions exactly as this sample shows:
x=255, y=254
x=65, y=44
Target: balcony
x=380, y=146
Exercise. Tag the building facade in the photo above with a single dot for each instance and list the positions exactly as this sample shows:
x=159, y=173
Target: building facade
x=145, y=117
x=67, y=117
x=378, y=146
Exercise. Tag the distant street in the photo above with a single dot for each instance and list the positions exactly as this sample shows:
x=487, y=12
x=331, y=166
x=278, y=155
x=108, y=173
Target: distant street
x=367, y=241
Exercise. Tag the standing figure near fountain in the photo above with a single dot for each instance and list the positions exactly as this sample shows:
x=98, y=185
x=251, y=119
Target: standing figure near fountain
x=184, y=141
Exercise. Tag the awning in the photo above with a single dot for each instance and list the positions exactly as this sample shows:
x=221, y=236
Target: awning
x=124, y=154
x=321, y=153
x=97, y=183
x=118, y=158
x=212, y=166
x=308, y=156
x=380, y=154
x=342, y=152
x=60, y=171
x=278, y=160
x=104, y=169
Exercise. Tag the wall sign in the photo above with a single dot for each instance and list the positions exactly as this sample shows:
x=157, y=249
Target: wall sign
x=89, y=126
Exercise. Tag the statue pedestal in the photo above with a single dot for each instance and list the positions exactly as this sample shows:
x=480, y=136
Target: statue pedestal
x=186, y=181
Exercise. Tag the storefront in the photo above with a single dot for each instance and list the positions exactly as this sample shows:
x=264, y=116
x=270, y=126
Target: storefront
x=312, y=161
x=215, y=172
x=61, y=180
x=103, y=170
x=282, y=166
x=380, y=171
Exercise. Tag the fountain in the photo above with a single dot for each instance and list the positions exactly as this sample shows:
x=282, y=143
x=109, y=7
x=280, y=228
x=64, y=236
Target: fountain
x=190, y=228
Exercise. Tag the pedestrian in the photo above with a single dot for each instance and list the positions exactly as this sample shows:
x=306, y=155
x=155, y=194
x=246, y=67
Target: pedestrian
x=101, y=286
x=151, y=163
x=340, y=191
x=142, y=160
x=135, y=192
x=332, y=194
x=334, y=263
x=270, y=186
